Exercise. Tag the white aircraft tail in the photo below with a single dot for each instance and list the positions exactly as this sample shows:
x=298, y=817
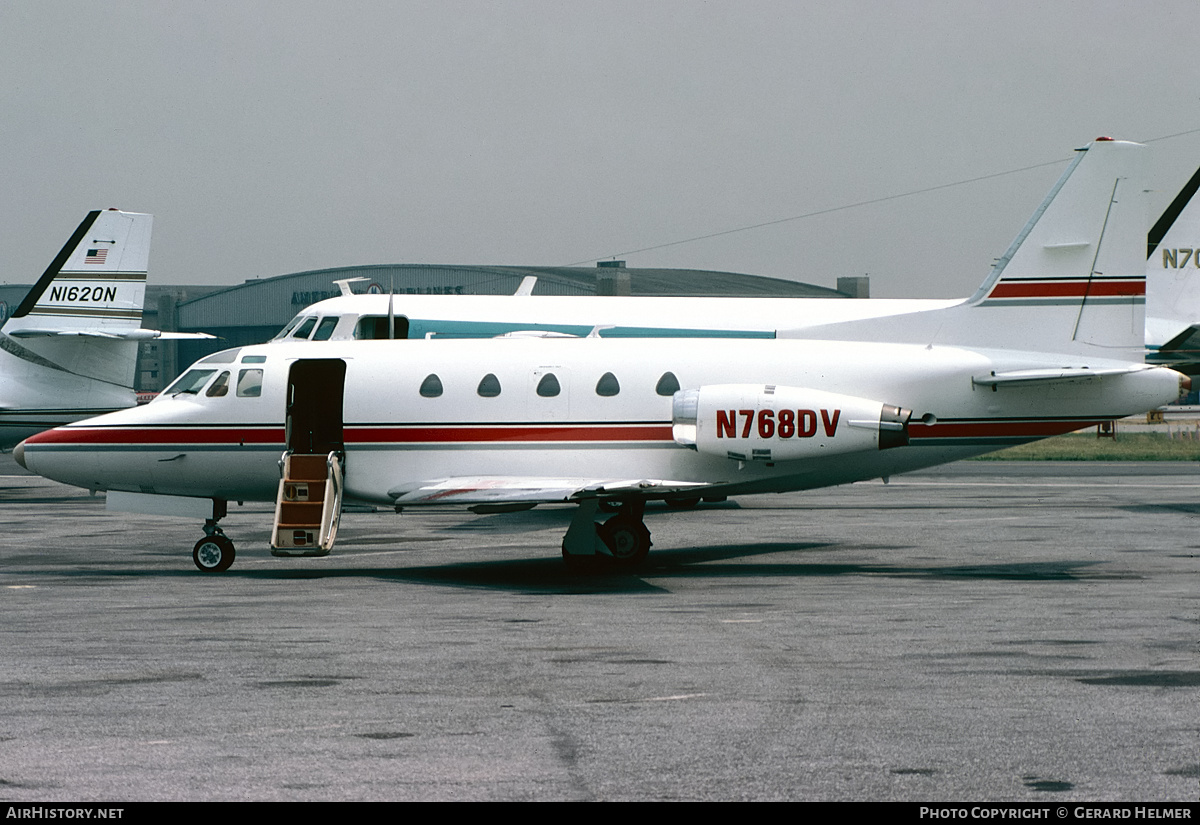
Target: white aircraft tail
x=84, y=314
x=96, y=283
x=1173, y=280
x=1072, y=282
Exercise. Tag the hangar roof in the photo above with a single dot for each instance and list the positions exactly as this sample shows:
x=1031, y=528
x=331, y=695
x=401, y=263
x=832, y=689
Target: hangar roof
x=273, y=301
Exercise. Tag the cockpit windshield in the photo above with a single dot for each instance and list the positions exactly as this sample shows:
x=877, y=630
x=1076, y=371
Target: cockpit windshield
x=325, y=328
x=283, y=333
x=190, y=383
x=305, y=327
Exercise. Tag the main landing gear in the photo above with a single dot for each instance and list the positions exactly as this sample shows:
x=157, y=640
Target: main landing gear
x=623, y=539
x=214, y=553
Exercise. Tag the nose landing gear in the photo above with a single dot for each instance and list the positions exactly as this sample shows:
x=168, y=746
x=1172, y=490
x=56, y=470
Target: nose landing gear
x=214, y=553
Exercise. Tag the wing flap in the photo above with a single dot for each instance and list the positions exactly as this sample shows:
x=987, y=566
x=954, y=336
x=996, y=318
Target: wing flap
x=495, y=490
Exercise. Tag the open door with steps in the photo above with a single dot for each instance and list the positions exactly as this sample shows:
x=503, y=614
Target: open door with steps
x=309, y=505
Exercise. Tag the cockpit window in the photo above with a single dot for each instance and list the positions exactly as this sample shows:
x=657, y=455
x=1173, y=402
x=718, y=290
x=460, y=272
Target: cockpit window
x=190, y=383
x=249, y=383
x=283, y=333
x=374, y=327
x=220, y=387
x=325, y=328
x=305, y=328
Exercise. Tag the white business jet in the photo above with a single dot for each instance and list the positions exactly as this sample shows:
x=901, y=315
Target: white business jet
x=1052, y=342
x=69, y=350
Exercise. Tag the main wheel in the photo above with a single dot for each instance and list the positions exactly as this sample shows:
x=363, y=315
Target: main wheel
x=213, y=554
x=627, y=539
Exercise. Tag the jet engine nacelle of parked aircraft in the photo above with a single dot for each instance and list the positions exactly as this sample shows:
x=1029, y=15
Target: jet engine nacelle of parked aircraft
x=764, y=422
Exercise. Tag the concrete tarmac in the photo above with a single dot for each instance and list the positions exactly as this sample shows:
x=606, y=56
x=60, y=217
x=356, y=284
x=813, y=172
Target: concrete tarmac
x=986, y=631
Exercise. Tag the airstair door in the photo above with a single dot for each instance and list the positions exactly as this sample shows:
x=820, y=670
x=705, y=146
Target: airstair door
x=309, y=504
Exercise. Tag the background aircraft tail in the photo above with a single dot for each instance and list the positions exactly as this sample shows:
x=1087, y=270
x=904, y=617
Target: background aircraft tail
x=1072, y=282
x=1173, y=281
x=84, y=314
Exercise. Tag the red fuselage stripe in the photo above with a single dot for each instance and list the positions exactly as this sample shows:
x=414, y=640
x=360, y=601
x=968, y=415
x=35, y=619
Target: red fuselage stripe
x=981, y=429
x=547, y=432
x=496, y=434
x=356, y=435
x=157, y=435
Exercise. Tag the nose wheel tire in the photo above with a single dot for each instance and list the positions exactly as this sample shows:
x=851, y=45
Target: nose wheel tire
x=213, y=554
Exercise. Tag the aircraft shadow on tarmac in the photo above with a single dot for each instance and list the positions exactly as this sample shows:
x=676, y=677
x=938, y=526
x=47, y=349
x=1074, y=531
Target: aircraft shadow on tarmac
x=548, y=574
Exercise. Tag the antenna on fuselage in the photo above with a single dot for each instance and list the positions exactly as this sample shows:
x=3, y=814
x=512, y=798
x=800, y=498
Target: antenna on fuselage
x=391, y=308
x=344, y=285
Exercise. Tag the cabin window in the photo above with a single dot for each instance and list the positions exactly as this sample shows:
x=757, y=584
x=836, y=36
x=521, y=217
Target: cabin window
x=220, y=387
x=325, y=328
x=667, y=385
x=375, y=327
x=254, y=359
x=249, y=383
x=489, y=387
x=608, y=385
x=191, y=382
x=548, y=387
x=431, y=387
x=305, y=328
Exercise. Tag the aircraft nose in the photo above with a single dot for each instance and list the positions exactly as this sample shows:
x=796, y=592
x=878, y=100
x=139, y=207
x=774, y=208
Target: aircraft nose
x=19, y=454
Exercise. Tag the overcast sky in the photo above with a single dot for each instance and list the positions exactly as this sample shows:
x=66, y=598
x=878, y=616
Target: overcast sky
x=274, y=137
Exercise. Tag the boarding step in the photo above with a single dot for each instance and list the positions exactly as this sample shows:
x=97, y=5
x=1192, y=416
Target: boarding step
x=309, y=505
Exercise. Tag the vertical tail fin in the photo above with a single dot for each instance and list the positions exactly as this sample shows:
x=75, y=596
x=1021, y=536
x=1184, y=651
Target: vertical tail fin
x=1081, y=253
x=96, y=283
x=1072, y=282
x=83, y=315
x=1173, y=280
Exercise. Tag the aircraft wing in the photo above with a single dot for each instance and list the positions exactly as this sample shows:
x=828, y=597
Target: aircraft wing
x=124, y=335
x=500, y=490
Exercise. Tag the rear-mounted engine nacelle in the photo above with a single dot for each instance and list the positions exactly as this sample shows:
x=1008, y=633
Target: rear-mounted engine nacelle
x=770, y=423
